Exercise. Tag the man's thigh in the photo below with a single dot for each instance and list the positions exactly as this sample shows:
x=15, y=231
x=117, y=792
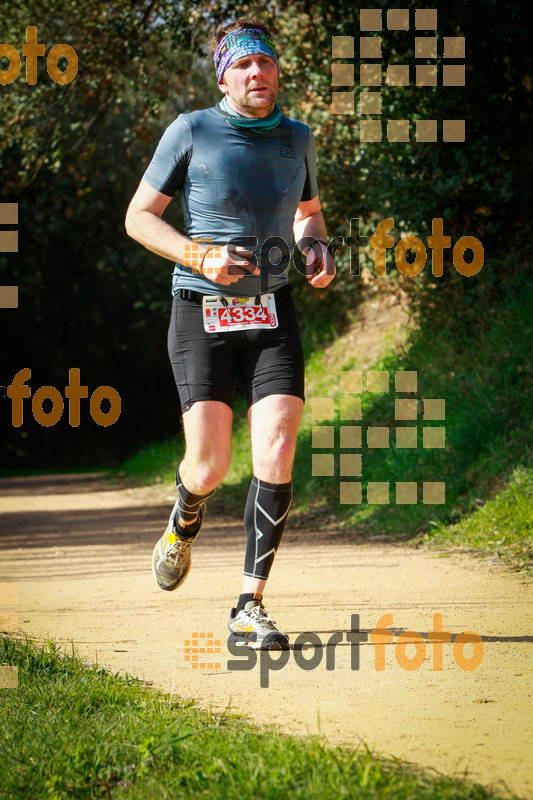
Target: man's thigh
x=272, y=361
x=207, y=427
x=204, y=364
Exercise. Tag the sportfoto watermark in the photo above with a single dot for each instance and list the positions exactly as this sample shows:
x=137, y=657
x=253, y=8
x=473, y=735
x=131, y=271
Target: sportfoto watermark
x=380, y=637
x=437, y=242
x=32, y=50
x=380, y=242
x=74, y=391
x=338, y=429
x=373, y=23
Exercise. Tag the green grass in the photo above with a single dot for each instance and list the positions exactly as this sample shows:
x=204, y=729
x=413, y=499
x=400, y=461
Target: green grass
x=155, y=462
x=503, y=525
x=72, y=731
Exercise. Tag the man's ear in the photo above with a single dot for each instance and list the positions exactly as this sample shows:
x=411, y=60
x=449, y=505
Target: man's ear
x=222, y=85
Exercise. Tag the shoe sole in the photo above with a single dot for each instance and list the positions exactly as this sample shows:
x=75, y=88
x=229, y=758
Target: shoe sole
x=275, y=643
x=272, y=646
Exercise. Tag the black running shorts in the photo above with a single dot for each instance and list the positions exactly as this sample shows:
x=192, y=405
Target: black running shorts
x=206, y=365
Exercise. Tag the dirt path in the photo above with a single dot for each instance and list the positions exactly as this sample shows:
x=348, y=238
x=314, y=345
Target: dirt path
x=80, y=554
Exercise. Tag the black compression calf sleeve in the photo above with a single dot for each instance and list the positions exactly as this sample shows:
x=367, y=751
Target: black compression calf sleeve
x=267, y=508
x=189, y=503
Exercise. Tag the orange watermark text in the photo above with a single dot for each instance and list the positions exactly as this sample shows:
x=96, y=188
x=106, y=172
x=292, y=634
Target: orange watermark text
x=18, y=391
x=381, y=637
x=437, y=242
x=33, y=50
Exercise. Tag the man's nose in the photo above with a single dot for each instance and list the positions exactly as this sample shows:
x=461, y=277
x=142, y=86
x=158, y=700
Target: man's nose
x=257, y=67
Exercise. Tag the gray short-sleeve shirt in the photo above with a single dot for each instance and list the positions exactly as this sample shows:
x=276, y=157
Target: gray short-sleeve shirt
x=236, y=184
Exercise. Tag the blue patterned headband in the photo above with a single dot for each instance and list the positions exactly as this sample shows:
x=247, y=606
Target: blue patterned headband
x=243, y=42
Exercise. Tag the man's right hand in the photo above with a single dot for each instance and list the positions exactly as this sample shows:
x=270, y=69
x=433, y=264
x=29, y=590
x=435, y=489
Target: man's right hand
x=227, y=264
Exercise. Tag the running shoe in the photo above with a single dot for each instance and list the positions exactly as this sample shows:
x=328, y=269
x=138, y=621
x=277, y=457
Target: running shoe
x=171, y=559
x=254, y=628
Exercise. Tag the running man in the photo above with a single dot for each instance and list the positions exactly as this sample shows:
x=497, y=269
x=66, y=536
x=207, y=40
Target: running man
x=246, y=176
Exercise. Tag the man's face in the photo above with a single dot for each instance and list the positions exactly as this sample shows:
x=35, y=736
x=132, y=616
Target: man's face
x=251, y=85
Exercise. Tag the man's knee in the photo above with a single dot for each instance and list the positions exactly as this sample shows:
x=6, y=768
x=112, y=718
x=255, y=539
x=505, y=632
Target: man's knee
x=212, y=475
x=277, y=451
x=204, y=476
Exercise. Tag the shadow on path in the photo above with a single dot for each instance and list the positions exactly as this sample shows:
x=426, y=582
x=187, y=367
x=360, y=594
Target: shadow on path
x=135, y=525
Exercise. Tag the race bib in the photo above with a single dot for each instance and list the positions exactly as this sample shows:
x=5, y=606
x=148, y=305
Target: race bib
x=224, y=314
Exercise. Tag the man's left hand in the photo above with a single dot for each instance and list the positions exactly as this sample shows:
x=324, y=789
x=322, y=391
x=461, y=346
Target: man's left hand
x=319, y=266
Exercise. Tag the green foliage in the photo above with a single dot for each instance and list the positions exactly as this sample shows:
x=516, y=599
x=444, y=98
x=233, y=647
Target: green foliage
x=155, y=461
x=479, y=186
x=71, y=157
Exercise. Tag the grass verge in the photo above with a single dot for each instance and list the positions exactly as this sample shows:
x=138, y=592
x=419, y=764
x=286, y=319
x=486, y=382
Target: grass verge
x=502, y=525
x=72, y=731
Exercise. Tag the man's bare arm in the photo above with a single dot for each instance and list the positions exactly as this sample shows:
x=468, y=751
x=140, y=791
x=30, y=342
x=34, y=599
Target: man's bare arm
x=223, y=265
x=144, y=224
x=309, y=223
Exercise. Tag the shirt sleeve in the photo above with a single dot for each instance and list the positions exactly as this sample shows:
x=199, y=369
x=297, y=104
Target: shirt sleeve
x=310, y=189
x=168, y=168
